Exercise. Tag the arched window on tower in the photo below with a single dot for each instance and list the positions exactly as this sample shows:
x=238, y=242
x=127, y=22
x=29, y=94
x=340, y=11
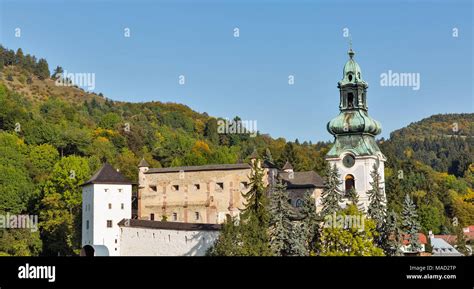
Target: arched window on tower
x=349, y=183
x=350, y=100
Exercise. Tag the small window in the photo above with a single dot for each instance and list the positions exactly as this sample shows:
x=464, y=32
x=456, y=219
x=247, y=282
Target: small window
x=115, y=241
x=175, y=188
x=120, y=190
x=175, y=216
x=196, y=214
x=110, y=206
x=350, y=100
x=299, y=203
x=152, y=217
x=122, y=206
x=219, y=186
x=87, y=225
x=244, y=185
x=106, y=190
x=109, y=223
x=197, y=187
x=153, y=188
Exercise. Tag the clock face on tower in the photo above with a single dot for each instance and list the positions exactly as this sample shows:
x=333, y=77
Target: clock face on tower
x=348, y=161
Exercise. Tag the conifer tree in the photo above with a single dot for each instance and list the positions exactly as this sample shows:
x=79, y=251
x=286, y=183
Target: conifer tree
x=255, y=216
x=281, y=227
x=377, y=208
x=410, y=224
x=392, y=236
x=42, y=69
x=353, y=197
x=331, y=196
x=268, y=156
x=461, y=245
x=229, y=241
x=310, y=222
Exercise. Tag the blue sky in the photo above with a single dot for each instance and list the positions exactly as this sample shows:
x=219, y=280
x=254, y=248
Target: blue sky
x=248, y=76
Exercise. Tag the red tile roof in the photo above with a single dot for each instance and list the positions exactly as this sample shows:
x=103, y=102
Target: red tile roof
x=421, y=238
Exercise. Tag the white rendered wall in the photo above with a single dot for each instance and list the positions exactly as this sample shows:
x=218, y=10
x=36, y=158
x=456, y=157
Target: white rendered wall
x=102, y=196
x=87, y=215
x=361, y=171
x=160, y=242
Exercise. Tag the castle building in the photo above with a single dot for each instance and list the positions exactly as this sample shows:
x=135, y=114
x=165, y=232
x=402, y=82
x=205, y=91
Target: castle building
x=212, y=193
x=355, y=152
x=180, y=209
x=106, y=200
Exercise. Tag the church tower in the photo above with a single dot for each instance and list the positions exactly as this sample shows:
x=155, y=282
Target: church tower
x=355, y=151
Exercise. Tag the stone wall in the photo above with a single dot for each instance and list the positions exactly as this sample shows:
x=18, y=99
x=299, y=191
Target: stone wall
x=136, y=241
x=194, y=196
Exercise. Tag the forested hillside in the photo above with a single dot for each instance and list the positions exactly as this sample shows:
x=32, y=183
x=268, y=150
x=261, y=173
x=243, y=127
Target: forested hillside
x=53, y=138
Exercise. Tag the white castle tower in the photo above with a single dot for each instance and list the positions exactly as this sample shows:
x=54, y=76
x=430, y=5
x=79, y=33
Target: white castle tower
x=355, y=152
x=106, y=200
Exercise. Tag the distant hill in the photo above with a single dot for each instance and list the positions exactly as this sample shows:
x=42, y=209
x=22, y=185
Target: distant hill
x=443, y=141
x=438, y=125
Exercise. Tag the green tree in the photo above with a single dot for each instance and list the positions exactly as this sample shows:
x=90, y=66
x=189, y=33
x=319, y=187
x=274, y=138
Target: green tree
x=331, y=196
x=392, y=236
x=339, y=239
x=42, y=69
x=461, y=242
x=41, y=161
x=377, y=208
x=254, y=217
x=281, y=226
x=58, y=71
x=310, y=222
x=60, y=208
x=410, y=224
x=353, y=197
x=16, y=187
x=19, y=242
x=229, y=242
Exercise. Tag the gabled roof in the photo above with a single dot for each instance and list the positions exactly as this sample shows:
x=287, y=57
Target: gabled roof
x=301, y=180
x=421, y=238
x=287, y=166
x=442, y=248
x=107, y=175
x=143, y=163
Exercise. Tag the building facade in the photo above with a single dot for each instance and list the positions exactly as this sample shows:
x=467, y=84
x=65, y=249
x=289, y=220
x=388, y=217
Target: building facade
x=211, y=193
x=106, y=200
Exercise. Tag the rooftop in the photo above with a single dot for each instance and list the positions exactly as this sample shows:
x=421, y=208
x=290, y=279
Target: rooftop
x=107, y=175
x=442, y=248
x=168, y=225
x=297, y=180
x=199, y=168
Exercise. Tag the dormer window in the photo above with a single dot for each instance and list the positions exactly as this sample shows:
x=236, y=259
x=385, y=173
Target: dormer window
x=350, y=77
